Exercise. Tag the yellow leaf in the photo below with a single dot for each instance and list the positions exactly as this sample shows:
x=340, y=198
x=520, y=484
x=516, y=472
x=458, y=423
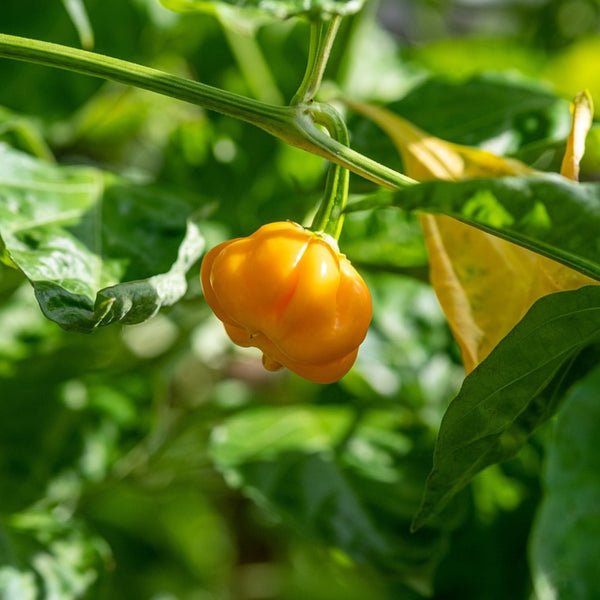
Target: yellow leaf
x=583, y=114
x=485, y=284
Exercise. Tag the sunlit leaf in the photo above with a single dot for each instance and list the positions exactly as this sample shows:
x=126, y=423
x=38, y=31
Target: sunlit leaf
x=428, y=157
x=513, y=391
x=485, y=284
x=566, y=537
x=96, y=249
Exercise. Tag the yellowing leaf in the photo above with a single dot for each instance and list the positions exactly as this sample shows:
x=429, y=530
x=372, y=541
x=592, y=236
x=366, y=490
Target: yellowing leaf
x=485, y=284
x=583, y=114
x=428, y=157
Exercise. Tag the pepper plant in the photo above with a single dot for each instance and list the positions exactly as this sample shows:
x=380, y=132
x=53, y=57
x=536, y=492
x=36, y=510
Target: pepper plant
x=410, y=229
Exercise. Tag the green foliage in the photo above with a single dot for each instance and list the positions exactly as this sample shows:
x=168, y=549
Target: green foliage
x=490, y=111
x=513, y=391
x=339, y=477
x=497, y=112
x=561, y=222
x=566, y=535
x=151, y=458
x=96, y=249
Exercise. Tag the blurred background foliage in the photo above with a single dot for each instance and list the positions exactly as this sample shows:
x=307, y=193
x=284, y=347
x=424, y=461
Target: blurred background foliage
x=157, y=461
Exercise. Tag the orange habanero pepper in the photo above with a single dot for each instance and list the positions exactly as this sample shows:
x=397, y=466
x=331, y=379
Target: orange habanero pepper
x=290, y=293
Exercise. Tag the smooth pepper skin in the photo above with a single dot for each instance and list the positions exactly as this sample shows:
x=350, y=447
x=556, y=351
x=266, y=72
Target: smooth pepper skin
x=290, y=293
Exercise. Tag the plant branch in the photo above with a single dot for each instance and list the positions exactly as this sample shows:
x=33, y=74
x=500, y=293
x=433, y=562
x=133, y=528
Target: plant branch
x=322, y=36
x=291, y=124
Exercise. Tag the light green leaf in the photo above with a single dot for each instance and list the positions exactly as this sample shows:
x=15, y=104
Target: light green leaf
x=95, y=248
x=513, y=391
x=545, y=213
x=565, y=541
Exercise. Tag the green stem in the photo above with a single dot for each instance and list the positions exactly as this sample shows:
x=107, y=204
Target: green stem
x=330, y=216
x=291, y=124
x=322, y=36
x=106, y=67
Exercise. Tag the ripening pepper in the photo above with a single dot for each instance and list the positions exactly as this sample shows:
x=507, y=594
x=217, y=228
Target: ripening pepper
x=290, y=293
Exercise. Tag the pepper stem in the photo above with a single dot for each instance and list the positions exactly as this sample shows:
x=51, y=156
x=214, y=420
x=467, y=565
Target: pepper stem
x=330, y=216
x=322, y=36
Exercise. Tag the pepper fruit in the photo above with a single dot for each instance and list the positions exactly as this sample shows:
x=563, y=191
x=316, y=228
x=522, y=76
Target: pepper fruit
x=289, y=292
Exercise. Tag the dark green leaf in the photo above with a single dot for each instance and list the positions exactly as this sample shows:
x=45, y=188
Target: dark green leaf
x=96, y=249
x=495, y=112
x=492, y=111
x=513, y=391
x=545, y=213
x=566, y=538
x=356, y=493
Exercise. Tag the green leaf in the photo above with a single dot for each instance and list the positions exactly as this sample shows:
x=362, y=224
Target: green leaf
x=545, y=213
x=348, y=483
x=493, y=112
x=490, y=111
x=565, y=541
x=95, y=248
x=385, y=240
x=264, y=10
x=513, y=391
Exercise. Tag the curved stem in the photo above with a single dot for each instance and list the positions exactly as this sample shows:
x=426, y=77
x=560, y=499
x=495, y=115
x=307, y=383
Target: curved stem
x=291, y=124
x=330, y=216
x=322, y=36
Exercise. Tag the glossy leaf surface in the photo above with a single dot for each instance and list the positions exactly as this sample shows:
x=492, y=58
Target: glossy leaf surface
x=513, y=391
x=95, y=248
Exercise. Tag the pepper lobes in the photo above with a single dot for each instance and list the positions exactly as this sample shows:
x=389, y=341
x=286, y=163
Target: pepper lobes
x=290, y=293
